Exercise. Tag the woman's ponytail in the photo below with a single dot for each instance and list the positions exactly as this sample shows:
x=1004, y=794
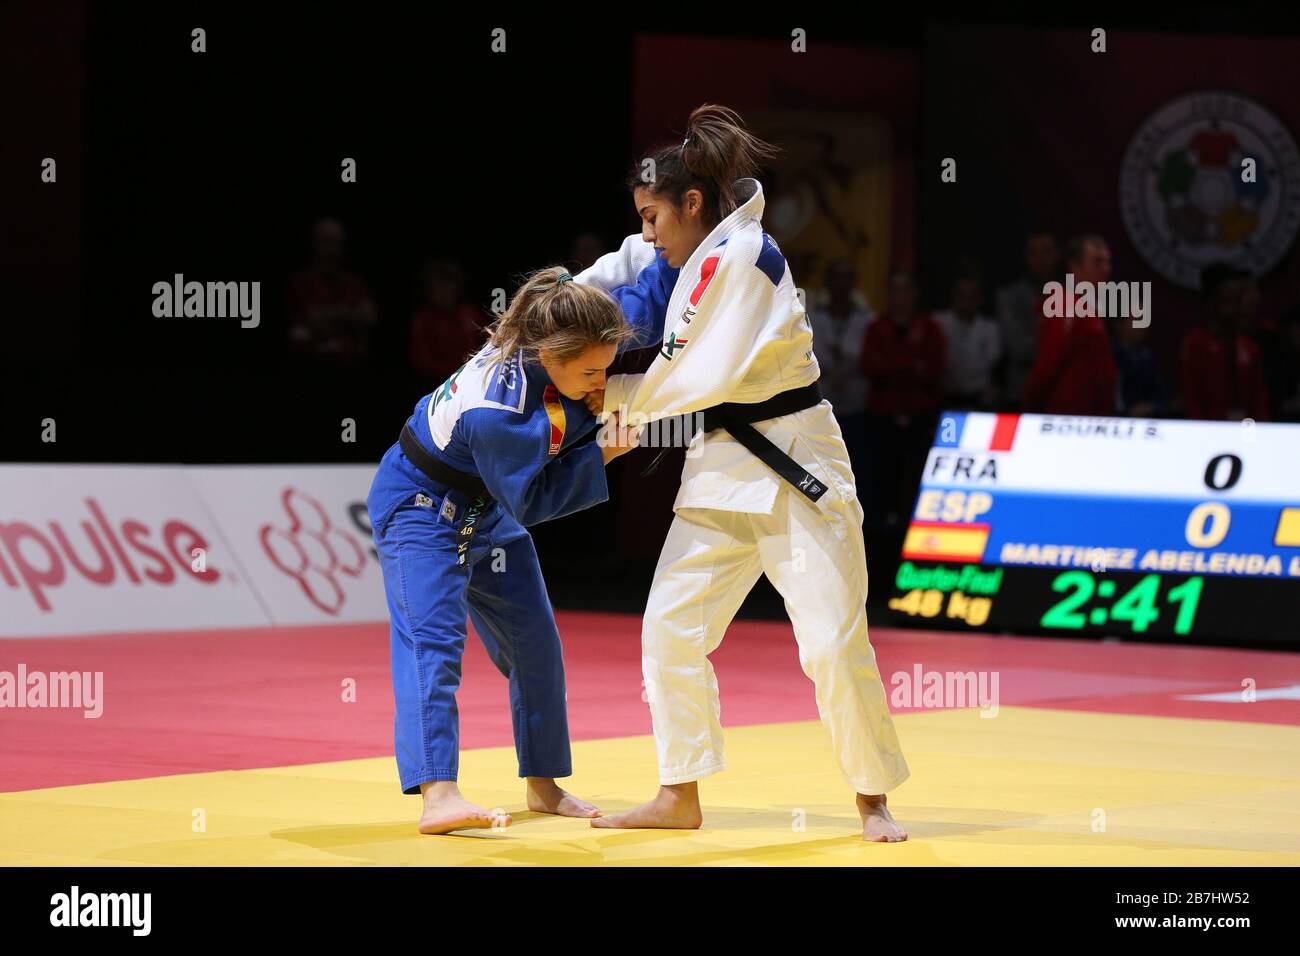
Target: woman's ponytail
x=553, y=312
x=718, y=148
x=717, y=151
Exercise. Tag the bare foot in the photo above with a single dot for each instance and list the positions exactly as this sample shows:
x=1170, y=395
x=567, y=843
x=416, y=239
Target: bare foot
x=446, y=810
x=673, y=808
x=878, y=824
x=545, y=796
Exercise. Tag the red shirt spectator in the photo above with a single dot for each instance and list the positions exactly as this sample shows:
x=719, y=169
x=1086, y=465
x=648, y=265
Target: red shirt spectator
x=904, y=365
x=331, y=312
x=445, y=330
x=1074, y=372
x=1222, y=377
x=330, y=315
x=442, y=338
x=310, y=289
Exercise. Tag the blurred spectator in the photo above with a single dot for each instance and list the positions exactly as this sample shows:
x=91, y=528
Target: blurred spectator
x=1221, y=368
x=1018, y=315
x=1271, y=339
x=903, y=356
x=974, y=347
x=331, y=312
x=819, y=295
x=1284, y=387
x=1252, y=323
x=1141, y=393
x=1074, y=371
x=587, y=248
x=839, y=326
x=445, y=330
x=808, y=268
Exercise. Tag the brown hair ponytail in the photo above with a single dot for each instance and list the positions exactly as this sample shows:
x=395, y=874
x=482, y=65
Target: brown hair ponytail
x=552, y=311
x=717, y=151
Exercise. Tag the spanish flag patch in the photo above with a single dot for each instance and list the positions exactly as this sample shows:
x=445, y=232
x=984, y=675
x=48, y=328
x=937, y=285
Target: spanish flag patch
x=555, y=412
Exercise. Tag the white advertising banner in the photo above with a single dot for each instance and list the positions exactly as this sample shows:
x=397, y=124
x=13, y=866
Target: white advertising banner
x=302, y=536
x=105, y=548
x=88, y=549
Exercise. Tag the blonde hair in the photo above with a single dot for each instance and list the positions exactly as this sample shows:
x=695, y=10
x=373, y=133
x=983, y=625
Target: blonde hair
x=551, y=311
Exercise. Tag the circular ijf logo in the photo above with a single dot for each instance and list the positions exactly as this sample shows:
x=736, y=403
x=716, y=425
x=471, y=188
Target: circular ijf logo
x=1211, y=177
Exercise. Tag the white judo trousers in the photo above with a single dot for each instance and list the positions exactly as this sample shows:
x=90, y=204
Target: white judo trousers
x=736, y=331
x=814, y=556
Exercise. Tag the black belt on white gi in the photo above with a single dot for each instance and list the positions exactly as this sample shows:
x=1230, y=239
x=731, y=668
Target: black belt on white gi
x=738, y=418
x=443, y=474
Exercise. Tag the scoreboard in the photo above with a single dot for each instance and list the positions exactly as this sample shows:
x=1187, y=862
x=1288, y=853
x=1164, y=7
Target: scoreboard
x=1071, y=525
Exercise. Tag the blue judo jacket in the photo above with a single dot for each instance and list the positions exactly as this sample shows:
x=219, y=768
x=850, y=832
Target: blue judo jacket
x=505, y=422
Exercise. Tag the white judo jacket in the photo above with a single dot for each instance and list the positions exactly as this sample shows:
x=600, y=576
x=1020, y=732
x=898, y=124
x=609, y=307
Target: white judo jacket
x=735, y=331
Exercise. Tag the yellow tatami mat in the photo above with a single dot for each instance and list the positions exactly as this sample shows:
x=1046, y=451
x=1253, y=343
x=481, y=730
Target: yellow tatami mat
x=1029, y=786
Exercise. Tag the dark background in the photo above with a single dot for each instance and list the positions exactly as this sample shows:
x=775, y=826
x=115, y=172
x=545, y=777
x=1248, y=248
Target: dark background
x=215, y=166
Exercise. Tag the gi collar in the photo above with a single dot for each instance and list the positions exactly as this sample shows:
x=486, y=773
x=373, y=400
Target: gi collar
x=537, y=372
x=749, y=210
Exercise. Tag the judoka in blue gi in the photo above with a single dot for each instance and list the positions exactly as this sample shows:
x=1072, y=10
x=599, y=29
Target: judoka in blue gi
x=494, y=449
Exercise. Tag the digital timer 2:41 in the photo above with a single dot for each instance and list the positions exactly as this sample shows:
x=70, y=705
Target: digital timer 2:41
x=1138, y=607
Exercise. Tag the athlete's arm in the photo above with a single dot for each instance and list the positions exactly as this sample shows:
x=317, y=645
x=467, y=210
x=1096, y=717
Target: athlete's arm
x=640, y=281
x=619, y=268
x=645, y=303
x=705, y=359
x=513, y=459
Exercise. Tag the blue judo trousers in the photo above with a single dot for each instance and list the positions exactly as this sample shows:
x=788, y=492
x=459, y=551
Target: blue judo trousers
x=433, y=583
x=429, y=597
x=445, y=559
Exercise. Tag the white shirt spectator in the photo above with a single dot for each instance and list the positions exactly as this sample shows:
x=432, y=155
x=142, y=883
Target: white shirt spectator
x=837, y=343
x=974, y=347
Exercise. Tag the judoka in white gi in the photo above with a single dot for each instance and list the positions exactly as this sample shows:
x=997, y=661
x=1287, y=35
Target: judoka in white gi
x=736, y=335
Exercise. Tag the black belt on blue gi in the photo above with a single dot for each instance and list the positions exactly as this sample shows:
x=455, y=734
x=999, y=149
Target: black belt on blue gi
x=443, y=474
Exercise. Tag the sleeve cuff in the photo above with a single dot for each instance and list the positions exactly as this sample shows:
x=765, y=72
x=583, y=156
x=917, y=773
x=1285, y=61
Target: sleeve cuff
x=618, y=390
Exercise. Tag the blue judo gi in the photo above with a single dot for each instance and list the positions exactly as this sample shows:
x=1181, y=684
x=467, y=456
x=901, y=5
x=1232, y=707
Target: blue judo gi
x=444, y=558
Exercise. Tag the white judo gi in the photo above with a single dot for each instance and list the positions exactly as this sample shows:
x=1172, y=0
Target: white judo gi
x=737, y=332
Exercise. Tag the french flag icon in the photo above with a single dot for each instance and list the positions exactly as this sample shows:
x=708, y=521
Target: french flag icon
x=976, y=431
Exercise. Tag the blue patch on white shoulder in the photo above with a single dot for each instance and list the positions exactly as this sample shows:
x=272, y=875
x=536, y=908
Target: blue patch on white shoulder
x=770, y=260
x=506, y=385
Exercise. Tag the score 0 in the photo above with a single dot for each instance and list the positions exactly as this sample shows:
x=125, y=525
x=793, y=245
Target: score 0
x=1208, y=523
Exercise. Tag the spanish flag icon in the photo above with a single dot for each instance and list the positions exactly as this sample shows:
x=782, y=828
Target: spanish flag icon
x=942, y=541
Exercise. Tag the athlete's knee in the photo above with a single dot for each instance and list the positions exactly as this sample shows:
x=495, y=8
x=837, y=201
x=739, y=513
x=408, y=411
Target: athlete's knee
x=656, y=679
x=668, y=639
x=829, y=649
x=539, y=655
